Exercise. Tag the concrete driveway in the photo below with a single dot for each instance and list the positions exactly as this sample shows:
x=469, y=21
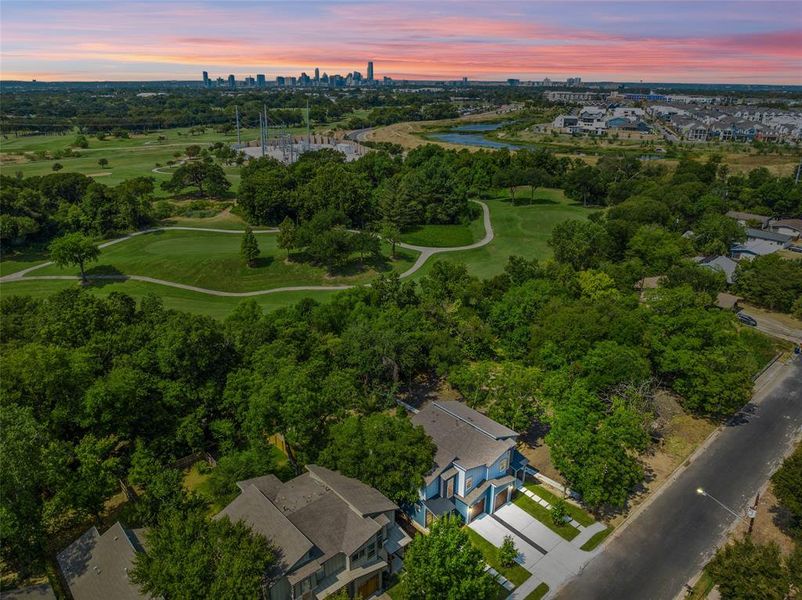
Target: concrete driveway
x=542, y=552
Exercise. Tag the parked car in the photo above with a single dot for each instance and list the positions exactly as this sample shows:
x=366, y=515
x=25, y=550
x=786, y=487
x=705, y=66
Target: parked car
x=746, y=319
x=795, y=248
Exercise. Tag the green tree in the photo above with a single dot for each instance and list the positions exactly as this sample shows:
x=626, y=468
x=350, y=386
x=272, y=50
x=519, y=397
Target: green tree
x=770, y=281
x=287, y=235
x=595, y=445
x=238, y=466
x=558, y=512
x=81, y=141
x=508, y=553
x=586, y=184
x=787, y=486
x=57, y=167
x=191, y=557
x=22, y=483
x=249, y=248
x=744, y=570
x=161, y=486
x=715, y=233
x=74, y=249
x=205, y=175
x=581, y=244
x=444, y=565
x=386, y=452
x=103, y=162
x=391, y=234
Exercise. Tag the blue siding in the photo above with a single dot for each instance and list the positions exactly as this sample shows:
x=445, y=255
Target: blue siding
x=495, y=469
x=432, y=490
x=478, y=474
x=462, y=509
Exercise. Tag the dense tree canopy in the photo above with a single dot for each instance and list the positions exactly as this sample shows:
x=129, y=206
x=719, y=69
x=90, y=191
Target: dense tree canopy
x=386, y=452
x=444, y=564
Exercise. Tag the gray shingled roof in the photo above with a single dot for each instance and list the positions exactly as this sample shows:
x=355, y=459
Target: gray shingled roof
x=721, y=263
x=361, y=497
x=462, y=440
x=476, y=419
x=321, y=510
x=745, y=216
x=762, y=234
x=333, y=525
x=253, y=508
x=269, y=485
x=96, y=566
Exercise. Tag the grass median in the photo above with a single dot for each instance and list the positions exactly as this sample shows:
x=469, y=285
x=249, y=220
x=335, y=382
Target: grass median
x=565, y=531
x=516, y=574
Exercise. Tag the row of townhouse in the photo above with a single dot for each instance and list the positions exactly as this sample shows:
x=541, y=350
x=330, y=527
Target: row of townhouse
x=730, y=123
x=598, y=120
x=332, y=533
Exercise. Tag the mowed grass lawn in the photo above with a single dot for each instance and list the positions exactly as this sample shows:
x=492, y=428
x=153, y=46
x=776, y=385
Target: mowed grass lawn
x=521, y=230
x=516, y=574
x=212, y=260
x=133, y=157
x=446, y=236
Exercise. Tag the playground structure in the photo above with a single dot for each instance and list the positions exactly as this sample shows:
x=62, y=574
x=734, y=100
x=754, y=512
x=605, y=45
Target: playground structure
x=278, y=143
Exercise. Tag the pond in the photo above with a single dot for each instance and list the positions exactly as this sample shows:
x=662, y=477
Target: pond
x=471, y=134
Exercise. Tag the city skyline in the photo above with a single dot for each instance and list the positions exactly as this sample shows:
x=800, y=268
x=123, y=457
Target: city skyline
x=737, y=42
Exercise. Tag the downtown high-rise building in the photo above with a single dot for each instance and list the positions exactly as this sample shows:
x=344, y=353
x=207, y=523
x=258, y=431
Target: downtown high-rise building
x=232, y=82
x=370, y=70
x=260, y=80
x=317, y=75
x=206, y=82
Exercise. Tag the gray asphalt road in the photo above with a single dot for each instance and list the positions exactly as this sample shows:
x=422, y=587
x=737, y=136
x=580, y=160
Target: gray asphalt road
x=670, y=540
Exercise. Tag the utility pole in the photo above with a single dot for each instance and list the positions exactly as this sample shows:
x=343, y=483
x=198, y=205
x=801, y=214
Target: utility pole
x=752, y=513
x=239, y=142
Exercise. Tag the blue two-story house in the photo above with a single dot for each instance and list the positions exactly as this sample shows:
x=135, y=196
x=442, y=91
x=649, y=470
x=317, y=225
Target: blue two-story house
x=477, y=466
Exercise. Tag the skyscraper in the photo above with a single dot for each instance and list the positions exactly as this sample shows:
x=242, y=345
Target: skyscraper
x=370, y=70
x=317, y=75
x=260, y=80
x=205, y=79
x=232, y=83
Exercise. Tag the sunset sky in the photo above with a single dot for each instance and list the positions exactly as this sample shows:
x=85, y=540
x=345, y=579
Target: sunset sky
x=701, y=41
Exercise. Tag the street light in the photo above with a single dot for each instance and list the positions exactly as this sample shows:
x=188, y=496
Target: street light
x=702, y=492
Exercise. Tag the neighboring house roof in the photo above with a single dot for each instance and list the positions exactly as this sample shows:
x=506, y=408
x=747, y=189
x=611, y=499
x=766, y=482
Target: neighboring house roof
x=253, y=508
x=744, y=216
x=726, y=301
x=359, y=496
x=96, y=566
x=43, y=591
x=720, y=263
x=772, y=236
x=320, y=513
x=462, y=435
x=754, y=247
x=795, y=224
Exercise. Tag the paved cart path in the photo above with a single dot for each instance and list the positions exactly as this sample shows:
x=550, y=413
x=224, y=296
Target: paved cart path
x=426, y=252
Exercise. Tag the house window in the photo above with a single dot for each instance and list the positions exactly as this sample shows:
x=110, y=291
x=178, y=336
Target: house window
x=468, y=483
x=503, y=464
x=371, y=551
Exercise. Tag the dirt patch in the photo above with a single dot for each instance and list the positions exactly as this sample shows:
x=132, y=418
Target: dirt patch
x=103, y=174
x=770, y=523
x=679, y=435
x=539, y=455
x=426, y=388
